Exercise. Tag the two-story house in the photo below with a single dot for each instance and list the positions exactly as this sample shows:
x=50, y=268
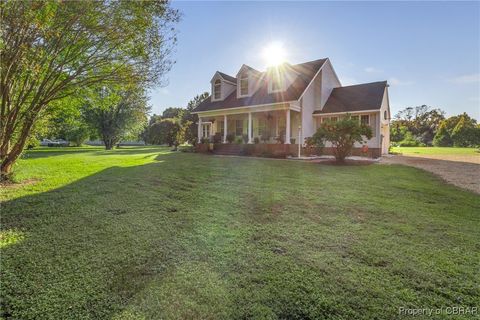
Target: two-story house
x=285, y=104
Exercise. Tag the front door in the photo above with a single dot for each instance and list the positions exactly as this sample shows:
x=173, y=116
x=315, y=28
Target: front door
x=206, y=130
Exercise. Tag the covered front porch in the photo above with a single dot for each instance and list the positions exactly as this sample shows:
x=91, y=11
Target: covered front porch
x=277, y=124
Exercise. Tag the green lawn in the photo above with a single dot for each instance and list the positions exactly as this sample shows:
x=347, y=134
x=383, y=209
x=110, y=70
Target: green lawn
x=436, y=151
x=143, y=233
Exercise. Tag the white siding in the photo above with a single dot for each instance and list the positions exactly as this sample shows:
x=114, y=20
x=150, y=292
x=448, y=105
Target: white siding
x=316, y=96
x=384, y=124
x=374, y=122
x=226, y=88
x=329, y=81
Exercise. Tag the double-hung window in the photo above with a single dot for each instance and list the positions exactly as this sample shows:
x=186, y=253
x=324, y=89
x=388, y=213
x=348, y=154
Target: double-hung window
x=244, y=84
x=365, y=119
x=238, y=127
x=217, y=89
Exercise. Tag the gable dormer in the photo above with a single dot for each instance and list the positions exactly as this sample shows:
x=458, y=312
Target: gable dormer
x=247, y=81
x=280, y=77
x=222, y=86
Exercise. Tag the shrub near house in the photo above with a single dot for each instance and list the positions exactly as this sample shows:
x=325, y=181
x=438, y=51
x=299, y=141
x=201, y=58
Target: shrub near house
x=342, y=134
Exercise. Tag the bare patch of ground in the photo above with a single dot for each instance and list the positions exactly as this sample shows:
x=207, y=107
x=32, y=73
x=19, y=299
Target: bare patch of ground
x=14, y=185
x=463, y=174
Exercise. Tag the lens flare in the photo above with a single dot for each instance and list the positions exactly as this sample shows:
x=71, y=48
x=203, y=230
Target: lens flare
x=274, y=53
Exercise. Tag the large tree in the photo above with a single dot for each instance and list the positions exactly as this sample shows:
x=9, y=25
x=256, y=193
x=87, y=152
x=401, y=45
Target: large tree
x=50, y=49
x=116, y=113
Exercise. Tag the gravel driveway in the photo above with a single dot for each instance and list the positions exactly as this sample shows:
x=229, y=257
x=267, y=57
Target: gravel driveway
x=464, y=172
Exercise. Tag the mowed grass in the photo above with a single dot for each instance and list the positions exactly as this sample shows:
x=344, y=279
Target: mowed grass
x=436, y=151
x=144, y=233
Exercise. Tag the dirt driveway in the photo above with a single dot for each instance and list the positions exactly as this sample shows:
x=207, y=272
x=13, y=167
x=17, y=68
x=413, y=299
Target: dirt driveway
x=462, y=171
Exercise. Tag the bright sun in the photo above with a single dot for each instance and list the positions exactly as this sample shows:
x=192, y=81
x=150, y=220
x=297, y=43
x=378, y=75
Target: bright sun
x=274, y=53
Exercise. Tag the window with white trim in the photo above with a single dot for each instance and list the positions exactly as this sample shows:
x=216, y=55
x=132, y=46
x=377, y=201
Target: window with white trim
x=238, y=127
x=206, y=130
x=262, y=127
x=276, y=83
x=244, y=84
x=217, y=89
x=365, y=119
x=221, y=125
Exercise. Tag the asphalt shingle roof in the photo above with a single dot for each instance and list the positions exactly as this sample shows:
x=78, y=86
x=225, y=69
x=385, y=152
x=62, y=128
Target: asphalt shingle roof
x=366, y=96
x=227, y=77
x=306, y=71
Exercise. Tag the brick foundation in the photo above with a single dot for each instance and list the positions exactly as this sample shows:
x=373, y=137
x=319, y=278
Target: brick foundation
x=276, y=150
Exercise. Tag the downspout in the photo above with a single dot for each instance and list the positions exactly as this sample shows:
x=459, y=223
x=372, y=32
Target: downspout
x=300, y=127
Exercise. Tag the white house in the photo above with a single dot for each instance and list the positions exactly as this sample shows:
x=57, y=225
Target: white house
x=286, y=104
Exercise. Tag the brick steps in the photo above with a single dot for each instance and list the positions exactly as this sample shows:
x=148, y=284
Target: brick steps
x=228, y=149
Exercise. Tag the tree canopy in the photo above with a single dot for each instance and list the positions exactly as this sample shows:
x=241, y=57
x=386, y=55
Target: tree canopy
x=51, y=49
x=116, y=113
x=426, y=126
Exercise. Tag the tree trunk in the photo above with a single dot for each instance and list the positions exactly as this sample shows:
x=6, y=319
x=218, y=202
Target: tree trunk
x=9, y=157
x=108, y=144
x=6, y=170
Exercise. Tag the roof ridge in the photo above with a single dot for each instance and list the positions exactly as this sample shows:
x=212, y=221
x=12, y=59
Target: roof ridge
x=311, y=61
x=361, y=84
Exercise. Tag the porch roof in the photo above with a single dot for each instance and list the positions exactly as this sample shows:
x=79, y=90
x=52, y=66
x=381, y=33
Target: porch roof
x=306, y=73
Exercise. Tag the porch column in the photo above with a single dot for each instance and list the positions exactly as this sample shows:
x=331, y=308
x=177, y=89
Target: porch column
x=225, y=129
x=199, y=132
x=250, y=140
x=287, y=129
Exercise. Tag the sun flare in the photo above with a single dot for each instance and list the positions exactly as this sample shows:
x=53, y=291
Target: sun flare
x=274, y=53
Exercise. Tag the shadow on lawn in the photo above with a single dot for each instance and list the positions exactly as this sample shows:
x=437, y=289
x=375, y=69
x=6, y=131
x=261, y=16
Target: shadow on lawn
x=86, y=249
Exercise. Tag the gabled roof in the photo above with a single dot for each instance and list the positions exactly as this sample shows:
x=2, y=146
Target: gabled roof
x=306, y=71
x=254, y=71
x=227, y=77
x=360, y=97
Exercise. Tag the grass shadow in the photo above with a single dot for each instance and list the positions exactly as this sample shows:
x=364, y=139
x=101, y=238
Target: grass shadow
x=88, y=248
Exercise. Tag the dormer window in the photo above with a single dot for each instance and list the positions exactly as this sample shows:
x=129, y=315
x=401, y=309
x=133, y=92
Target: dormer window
x=244, y=84
x=217, y=89
x=276, y=84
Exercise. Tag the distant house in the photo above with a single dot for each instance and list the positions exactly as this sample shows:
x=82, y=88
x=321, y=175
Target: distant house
x=287, y=103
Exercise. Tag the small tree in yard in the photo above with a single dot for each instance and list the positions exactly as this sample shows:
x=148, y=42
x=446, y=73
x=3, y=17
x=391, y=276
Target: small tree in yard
x=165, y=131
x=342, y=134
x=116, y=112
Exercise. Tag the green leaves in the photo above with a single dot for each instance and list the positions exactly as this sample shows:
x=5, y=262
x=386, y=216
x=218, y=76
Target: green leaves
x=51, y=49
x=342, y=133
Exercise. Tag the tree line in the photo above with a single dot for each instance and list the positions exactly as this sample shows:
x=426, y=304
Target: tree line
x=427, y=126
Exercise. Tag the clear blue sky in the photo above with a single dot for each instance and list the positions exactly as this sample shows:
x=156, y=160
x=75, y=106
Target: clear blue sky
x=428, y=51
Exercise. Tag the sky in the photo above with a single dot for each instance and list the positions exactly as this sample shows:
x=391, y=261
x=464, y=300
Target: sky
x=429, y=52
